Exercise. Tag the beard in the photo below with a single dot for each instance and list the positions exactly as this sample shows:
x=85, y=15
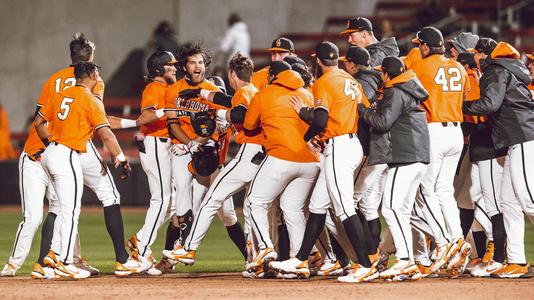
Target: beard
x=196, y=78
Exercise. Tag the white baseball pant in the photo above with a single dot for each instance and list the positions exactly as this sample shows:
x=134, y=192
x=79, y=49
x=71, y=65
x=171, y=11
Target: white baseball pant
x=436, y=194
x=369, y=184
x=399, y=196
x=293, y=181
x=517, y=197
x=34, y=184
x=156, y=163
x=183, y=182
x=232, y=178
x=63, y=166
x=102, y=185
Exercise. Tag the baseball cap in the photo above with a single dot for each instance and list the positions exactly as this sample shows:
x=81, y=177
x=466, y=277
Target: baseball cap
x=430, y=36
x=278, y=66
x=485, y=45
x=357, y=55
x=282, y=44
x=358, y=24
x=291, y=60
x=392, y=65
x=530, y=56
x=467, y=58
x=217, y=81
x=464, y=41
x=326, y=50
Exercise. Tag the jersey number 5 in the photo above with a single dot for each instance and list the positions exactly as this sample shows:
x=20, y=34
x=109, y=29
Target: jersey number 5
x=65, y=108
x=351, y=89
x=453, y=84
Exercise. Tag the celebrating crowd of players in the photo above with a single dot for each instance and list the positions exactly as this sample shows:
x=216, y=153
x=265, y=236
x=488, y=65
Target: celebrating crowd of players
x=440, y=144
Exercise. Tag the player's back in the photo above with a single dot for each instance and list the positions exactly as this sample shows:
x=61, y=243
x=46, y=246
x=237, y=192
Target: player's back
x=338, y=92
x=243, y=96
x=154, y=98
x=260, y=78
x=73, y=115
x=446, y=81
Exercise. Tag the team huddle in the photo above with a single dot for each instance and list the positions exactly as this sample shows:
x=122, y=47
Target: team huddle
x=441, y=146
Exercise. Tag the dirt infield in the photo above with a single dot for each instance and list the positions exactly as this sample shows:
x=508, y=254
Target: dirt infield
x=232, y=286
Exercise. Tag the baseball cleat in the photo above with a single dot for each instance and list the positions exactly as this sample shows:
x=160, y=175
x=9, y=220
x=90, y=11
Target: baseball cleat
x=51, y=259
x=472, y=265
x=513, y=271
x=441, y=257
x=382, y=264
x=40, y=272
x=375, y=258
x=165, y=265
x=426, y=271
x=81, y=263
x=133, y=265
x=132, y=243
x=330, y=268
x=254, y=274
x=358, y=274
x=263, y=256
x=489, y=252
x=401, y=267
x=180, y=254
x=292, y=266
x=486, y=269
x=9, y=270
x=459, y=261
x=315, y=261
x=70, y=271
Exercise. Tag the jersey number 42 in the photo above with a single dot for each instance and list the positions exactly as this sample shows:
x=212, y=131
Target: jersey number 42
x=453, y=84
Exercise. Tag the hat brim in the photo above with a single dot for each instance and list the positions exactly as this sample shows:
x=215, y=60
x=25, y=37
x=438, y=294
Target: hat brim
x=530, y=56
x=349, y=31
x=379, y=68
x=416, y=41
x=343, y=59
x=277, y=49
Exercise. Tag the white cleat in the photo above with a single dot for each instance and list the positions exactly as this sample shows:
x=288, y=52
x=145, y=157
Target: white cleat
x=330, y=268
x=9, y=270
x=401, y=267
x=180, y=254
x=486, y=269
x=263, y=256
x=358, y=274
x=292, y=266
x=70, y=271
x=459, y=261
x=40, y=272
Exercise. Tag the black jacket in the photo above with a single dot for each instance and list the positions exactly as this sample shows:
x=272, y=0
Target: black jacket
x=370, y=81
x=505, y=98
x=378, y=51
x=481, y=145
x=399, y=132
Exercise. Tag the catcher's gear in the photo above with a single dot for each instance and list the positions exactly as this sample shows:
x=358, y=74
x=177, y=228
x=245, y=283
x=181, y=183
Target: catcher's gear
x=157, y=61
x=203, y=123
x=204, y=162
x=189, y=93
x=218, y=81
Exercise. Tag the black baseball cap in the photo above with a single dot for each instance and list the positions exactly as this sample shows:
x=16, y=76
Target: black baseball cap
x=294, y=60
x=358, y=24
x=392, y=65
x=282, y=45
x=430, y=36
x=485, y=45
x=357, y=55
x=278, y=66
x=326, y=50
x=467, y=58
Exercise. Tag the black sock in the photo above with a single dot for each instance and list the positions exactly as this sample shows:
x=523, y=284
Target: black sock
x=366, y=232
x=341, y=256
x=173, y=233
x=479, y=237
x=374, y=231
x=466, y=219
x=499, y=237
x=283, y=242
x=186, y=221
x=47, y=231
x=314, y=226
x=353, y=227
x=115, y=227
x=237, y=235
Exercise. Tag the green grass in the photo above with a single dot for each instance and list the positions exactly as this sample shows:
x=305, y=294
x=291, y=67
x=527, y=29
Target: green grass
x=216, y=254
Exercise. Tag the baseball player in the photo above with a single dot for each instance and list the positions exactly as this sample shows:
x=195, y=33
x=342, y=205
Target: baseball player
x=462, y=43
x=505, y=98
x=400, y=139
x=239, y=172
x=446, y=82
x=360, y=33
x=73, y=115
x=335, y=122
x=280, y=49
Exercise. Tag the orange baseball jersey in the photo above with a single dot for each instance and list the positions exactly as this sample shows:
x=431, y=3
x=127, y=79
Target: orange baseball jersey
x=56, y=83
x=260, y=79
x=338, y=92
x=74, y=114
x=281, y=125
x=472, y=95
x=413, y=56
x=183, y=107
x=242, y=97
x=446, y=82
x=154, y=98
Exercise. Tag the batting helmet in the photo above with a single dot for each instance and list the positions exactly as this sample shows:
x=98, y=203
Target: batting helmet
x=157, y=61
x=203, y=123
x=205, y=162
x=218, y=81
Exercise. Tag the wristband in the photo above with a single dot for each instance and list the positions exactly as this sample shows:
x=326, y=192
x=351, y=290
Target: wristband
x=159, y=113
x=204, y=94
x=127, y=123
x=221, y=113
x=121, y=157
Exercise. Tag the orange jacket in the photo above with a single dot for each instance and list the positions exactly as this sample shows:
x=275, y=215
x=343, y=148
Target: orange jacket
x=260, y=79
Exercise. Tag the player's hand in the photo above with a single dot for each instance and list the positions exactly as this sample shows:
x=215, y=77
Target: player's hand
x=178, y=149
x=315, y=145
x=126, y=170
x=296, y=103
x=189, y=93
x=194, y=146
x=222, y=125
